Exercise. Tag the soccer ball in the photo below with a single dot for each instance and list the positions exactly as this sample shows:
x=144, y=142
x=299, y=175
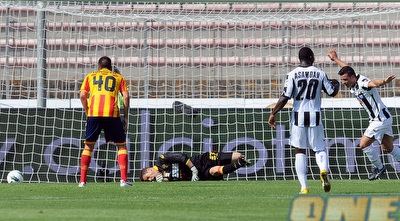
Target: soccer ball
x=15, y=176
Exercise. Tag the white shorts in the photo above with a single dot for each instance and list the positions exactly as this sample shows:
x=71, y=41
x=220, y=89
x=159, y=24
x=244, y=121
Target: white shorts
x=377, y=129
x=307, y=137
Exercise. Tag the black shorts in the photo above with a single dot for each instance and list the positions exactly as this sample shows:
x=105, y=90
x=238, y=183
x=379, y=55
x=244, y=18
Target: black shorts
x=112, y=126
x=206, y=161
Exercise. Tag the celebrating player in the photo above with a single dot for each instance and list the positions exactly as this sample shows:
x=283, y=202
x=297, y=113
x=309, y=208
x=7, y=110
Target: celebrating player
x=180, y=167
x=380, y=119
x=305, y=84
x=103, y=113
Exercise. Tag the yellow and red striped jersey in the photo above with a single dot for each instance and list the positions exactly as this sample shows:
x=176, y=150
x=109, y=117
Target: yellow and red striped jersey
x=103, y=87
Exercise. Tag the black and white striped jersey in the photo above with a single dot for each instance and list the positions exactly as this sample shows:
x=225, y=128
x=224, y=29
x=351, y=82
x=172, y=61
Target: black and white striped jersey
x=304, y=85
x=370, y=99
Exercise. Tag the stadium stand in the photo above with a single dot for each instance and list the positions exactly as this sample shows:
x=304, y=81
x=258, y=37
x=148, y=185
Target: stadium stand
x=195, y=45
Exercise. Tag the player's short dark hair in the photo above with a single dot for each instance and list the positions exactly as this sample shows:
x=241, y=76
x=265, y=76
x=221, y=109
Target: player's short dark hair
x=143, y=172
x=105, y=62
x=306, y=54
x=347, y=69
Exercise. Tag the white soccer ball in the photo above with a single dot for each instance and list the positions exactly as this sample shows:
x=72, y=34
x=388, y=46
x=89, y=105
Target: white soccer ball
x=15, y=176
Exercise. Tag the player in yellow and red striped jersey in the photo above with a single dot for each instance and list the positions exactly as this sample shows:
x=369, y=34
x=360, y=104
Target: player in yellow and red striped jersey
x=99, y=97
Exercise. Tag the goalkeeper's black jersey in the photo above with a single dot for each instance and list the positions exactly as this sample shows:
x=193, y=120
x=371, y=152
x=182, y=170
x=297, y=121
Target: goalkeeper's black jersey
x=173, y=165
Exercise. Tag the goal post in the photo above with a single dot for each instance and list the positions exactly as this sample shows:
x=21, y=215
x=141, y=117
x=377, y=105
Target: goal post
x=227, y=59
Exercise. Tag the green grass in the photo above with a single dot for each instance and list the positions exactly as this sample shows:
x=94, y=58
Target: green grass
x=206, y=200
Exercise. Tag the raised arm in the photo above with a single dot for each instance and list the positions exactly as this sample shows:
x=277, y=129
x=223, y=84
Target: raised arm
x=381, y=82
x=334, y=57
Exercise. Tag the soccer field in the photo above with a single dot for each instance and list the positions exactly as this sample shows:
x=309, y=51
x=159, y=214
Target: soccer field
x=206, y=200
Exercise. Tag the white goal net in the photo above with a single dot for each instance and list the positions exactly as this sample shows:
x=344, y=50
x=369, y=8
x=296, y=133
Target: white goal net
x=227, y=59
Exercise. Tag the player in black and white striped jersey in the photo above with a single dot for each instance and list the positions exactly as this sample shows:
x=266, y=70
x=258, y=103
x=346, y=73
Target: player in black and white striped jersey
x=304, y=84
x=380, y=119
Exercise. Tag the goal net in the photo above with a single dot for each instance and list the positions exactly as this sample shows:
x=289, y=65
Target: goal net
x=227, y=59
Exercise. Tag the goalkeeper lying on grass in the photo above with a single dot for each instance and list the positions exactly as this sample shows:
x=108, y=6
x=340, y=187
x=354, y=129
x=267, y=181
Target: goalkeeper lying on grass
x=206, y=166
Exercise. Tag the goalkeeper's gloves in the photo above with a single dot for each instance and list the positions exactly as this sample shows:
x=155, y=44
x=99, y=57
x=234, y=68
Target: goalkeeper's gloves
x=195, y=174
x=159, y=178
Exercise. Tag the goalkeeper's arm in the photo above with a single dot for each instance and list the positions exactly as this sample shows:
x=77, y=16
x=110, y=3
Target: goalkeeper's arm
x=180, y=158
x=195, y=172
